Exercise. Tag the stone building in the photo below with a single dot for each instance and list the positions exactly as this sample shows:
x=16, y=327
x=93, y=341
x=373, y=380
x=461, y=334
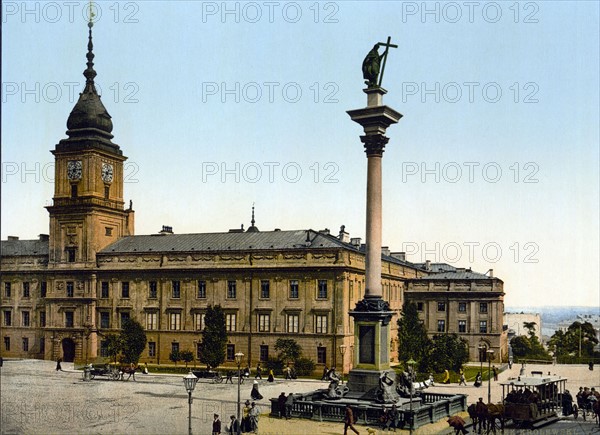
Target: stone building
x=514, y=323
x=63, y=293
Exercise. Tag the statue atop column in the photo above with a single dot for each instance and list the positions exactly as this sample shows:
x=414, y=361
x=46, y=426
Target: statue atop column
x=374, y=63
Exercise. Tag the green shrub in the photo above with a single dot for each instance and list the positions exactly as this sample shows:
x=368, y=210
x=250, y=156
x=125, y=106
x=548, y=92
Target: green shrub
x=304, y=366
x=274, y=364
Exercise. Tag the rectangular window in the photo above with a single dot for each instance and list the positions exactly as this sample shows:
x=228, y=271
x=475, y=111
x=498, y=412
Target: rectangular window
x=264, y=352
x=69, y=317
x=231, y=290
x=176, y=290
x=42, y=345
x=175, y=347
x=151, y=348
x=71, y=255
x=483, y=307
x=321, y=323
x=199, y=321
x=108, y=231
x=7, y=343
x=175, y=321
x=292, y=323
x=294, y=293
x=152, y=289
x=125, y=289
x=462, y=307
x=230, y=322
x=42, y=319
x=125, y=315
x=104, y=319
x=231, y=352
x=264, y=322
x=441, y=326
x=106, y=195
x=73, y=190
x=104, y=349
x=264, y=289
x=198, y=350
x=483, y=327
x=322, y=289
x=419, y=306
x=25, y=344
x=201, y=289
x=104, y=290
x=25, y=289
x=441, y=306
x=25, y=318
x=43, y=289
x=152, y=320
x=462, y=326
x=70, y=289
x=7, y=289
x=7, y=318
x=321, y=355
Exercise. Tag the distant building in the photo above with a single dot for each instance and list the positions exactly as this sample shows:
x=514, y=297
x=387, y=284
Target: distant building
x=514, y=324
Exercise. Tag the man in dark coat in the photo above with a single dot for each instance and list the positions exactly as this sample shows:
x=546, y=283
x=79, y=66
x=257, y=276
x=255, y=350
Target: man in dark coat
x=349, y=420
x=216, y=426
x=281, y=404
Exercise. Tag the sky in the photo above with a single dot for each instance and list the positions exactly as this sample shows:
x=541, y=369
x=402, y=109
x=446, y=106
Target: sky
x=219, y=106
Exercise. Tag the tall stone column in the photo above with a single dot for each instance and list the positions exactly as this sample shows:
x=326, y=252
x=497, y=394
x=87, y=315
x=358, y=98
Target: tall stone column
x=372, y=315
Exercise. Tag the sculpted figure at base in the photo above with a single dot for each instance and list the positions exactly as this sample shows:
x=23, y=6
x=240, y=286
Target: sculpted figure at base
x=387, y=390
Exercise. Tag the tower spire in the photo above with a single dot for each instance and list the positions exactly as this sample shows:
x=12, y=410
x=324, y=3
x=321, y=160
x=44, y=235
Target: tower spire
x=89, y=72
x=252, y=221
x=252, y=228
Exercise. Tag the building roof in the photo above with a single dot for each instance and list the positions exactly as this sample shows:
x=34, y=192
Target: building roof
x=23, y=247
x=232, y=241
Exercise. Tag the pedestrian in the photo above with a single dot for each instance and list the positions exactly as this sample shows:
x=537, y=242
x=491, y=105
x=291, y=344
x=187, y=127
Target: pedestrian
x=325, y=376
x=495, y=372
x=58, y=367
x=480, y=411
x=145, y=369
x=431, y=383
x=591, y=366
x=271, y=377
x=233, y=426
x=258, y=372
x=510, y=362
x=216, y=426
x=229, y=377
x=287, y=371
x=349, y=420
x=478, y=380
x=246, y=417
x=462, y=380
x=289, y=405
x=254, y=414
x=394, y=418
x=255, y=394
x=446, y=377
x=281, y=404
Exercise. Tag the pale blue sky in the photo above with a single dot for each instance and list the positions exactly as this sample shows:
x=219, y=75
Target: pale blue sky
x=165, y=68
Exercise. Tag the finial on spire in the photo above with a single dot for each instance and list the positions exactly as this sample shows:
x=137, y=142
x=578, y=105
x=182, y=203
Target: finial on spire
x=89, y=72
x=252, y=221
x=252, y=228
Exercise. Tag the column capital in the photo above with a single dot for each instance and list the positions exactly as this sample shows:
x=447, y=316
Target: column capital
x=374, y=144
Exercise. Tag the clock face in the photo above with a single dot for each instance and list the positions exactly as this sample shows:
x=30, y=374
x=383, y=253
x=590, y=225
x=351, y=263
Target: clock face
x=74, y=169
x=107, y=172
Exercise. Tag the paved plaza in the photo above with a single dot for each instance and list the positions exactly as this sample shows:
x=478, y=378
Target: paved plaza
x=35, y=399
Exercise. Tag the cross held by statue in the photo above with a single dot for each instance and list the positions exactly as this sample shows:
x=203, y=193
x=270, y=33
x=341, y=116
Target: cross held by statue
x=387, y=46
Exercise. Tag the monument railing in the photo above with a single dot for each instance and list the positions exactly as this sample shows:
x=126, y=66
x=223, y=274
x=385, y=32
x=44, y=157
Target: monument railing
x=435, y=407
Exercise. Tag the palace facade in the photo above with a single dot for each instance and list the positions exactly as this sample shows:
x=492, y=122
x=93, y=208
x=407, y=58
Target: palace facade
x=64, y=292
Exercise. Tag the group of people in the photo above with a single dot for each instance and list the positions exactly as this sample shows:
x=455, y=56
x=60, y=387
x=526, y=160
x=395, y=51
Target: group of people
x=523, y=396
x=390, y=418
x=285, y=405
x=258, y=375
x=249, y=422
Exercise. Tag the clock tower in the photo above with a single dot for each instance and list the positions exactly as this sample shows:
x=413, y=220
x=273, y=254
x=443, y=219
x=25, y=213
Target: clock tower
x=88, y=210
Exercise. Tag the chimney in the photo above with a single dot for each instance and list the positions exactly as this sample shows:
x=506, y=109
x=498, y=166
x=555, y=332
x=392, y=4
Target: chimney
x=343, y=235
x=399, y=255
x=385, y=250
x=427, y=265
x=13, y=238
x=355, y=241
x=166, y=230
x=44, y=237
x=491, y=273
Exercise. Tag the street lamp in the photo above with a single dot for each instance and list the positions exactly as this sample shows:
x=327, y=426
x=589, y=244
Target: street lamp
x=490, y=356
x=343, y=352
x=411, y=377
x=238, y=359
x=481, y=357
x=190, y=383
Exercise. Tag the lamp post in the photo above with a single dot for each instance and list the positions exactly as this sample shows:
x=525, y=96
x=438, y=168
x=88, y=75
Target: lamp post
x=490, y=353
x=411, y=376
x=481, y=356
x=238, y=359
x=343, y=352
x=190, y=383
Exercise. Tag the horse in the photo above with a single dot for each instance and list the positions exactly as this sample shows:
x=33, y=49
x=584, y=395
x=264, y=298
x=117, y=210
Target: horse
x=495, y=411
x=472, y=410
x=596, y=409
x=129, y=371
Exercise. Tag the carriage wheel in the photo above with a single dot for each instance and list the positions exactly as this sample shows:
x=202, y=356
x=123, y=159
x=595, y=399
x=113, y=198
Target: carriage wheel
x=218, y=379
x=575, y=412
x=114, y=375
x=92, y=376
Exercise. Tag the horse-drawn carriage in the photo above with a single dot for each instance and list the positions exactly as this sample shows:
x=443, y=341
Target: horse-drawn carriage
x=106, y=370
x=213, y=375
x=533, y=401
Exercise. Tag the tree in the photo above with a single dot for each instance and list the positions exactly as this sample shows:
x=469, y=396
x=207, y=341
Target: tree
x=113, y=345
x=289, y=349
x=413, y=341
x=133, y=339
x=175, y=356
x=304, y=366
x=186, y=356
x=449, y=352
x=214, y=337
x=568, y=342
x=530, y=326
